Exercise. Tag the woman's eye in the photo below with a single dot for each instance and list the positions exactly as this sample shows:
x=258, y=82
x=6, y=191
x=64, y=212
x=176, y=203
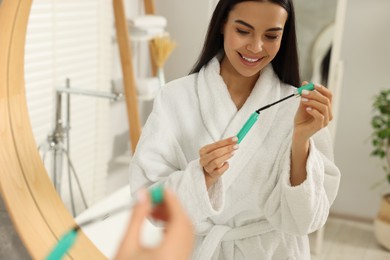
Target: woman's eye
x=272, y=37
x=242, y=31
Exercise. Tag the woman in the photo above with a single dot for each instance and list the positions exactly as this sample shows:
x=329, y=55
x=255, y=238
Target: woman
x=258, y=201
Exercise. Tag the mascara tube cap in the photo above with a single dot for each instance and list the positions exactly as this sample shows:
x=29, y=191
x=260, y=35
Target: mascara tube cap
x=157, y=194
x=309, y=86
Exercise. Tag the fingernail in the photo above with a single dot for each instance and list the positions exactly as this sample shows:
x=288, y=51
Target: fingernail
x=234, y=139
x=304, y=99
x=235, y=147
x=168, y=190
x=308, y=108
x=305, y=92
x=141, y=196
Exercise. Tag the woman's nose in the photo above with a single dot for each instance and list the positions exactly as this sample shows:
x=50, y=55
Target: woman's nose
x=255, y=46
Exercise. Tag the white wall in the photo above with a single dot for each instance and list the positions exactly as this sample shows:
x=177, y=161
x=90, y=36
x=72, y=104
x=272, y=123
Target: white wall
x=187, y=25
x=366, y=56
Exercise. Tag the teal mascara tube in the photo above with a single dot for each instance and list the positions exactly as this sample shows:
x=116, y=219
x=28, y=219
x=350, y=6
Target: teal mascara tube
x=64, y=245
x=247, y=126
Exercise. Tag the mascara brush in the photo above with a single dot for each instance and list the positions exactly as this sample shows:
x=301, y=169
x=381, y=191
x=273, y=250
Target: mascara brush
x=255, y=115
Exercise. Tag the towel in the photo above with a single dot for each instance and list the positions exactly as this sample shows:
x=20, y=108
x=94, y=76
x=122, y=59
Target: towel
x=148, y=21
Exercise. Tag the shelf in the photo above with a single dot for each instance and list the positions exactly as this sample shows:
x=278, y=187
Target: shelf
x=144, y=37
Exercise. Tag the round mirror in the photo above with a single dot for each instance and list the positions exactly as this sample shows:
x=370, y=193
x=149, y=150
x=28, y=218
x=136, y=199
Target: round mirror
x=66, y=50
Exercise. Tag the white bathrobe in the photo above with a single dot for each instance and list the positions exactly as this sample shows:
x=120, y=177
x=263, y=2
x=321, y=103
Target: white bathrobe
x=252, y=212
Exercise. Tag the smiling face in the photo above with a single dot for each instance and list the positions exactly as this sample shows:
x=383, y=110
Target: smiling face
x=252, y=36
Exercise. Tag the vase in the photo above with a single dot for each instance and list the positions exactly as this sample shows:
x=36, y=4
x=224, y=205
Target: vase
x=382, y=223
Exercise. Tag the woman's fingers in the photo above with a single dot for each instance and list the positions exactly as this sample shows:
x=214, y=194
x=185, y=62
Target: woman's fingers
x=218, y=162
x=223, y=151
x=318, y=96
x=213, y=156
x=324, y=91
x=319, y=118
x=140, y=211
x=179, y=238
x=223, y=143
x=304, y=83
x=217, y=172
x=329, y=95
x=320, y=107
x=319, y=100
x=131, y=242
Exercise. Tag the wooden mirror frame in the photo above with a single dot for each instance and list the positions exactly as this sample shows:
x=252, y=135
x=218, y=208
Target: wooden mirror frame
x=38, y=213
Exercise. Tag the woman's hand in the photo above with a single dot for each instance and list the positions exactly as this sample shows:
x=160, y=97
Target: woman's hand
x=213, y=158
x=314, y=112
x=178, y=237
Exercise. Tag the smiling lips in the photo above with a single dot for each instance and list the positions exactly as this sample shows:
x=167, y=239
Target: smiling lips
x=250, y=61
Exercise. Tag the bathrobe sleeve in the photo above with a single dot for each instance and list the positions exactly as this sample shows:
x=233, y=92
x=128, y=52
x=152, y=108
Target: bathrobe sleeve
x=159, y=159
x=303, y=209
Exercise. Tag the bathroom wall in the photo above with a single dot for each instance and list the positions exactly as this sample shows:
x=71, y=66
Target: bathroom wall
x=365, y=54
x=187, y=25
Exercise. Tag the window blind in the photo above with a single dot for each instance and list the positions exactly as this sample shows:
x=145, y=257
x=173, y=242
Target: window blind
x=72, y=39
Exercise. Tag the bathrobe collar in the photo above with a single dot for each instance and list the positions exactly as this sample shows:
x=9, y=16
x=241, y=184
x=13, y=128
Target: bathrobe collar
x=221, y=118
x=218, y=111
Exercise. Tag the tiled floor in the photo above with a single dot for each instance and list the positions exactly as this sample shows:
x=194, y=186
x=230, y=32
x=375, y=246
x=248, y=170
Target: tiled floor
x=11, y=248
x=350, y=240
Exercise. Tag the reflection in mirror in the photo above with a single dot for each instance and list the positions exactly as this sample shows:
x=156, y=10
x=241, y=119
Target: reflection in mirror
x=312, y=19
x=320, y=55
x=70, y=45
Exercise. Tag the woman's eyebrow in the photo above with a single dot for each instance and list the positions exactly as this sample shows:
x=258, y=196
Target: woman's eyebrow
x=244, y=23
x=251, y=27
x=274, y=29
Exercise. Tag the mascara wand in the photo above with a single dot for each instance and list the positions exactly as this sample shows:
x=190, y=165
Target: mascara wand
x=66, y=242
x=253, y=118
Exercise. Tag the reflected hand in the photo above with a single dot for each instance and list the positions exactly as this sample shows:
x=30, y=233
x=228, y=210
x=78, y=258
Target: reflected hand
x=178, y=237
x=213, y=158
x=314, y=112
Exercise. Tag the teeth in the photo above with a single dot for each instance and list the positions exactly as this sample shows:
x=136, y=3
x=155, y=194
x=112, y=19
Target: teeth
x=249, y=59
